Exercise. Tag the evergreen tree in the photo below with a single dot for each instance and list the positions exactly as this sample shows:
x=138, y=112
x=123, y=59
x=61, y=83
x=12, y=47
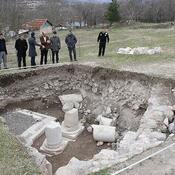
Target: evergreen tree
x=112, y=14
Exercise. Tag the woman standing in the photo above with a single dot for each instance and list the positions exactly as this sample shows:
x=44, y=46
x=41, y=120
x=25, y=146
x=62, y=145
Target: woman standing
x=32, y=48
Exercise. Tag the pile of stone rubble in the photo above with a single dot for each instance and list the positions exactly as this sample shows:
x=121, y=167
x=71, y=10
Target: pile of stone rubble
x=154, y=125
x=139, y=51
x=152, y=132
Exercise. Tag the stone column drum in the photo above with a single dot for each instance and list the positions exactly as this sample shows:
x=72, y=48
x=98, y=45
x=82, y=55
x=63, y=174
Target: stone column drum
x=71, y=127
x=102, y=133
x=54, y=142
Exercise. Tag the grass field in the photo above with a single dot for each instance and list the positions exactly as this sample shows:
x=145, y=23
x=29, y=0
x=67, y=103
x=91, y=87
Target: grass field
x=87, y=47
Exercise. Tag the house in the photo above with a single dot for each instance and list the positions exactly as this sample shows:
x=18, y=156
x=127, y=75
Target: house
x=77, y=24
x=42, y=25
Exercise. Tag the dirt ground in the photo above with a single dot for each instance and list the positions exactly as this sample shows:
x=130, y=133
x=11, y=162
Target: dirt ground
x=84, y=148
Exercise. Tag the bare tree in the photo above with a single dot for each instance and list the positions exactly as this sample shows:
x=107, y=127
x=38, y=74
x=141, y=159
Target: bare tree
x=11, y=14
x=148, y=10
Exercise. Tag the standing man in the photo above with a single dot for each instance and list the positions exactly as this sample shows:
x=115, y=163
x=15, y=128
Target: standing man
x=103, y=37
x=32, y=48
x=21, y=46
x=71, y=41
x=3, y=51
x=45, y=42
x=55, y=47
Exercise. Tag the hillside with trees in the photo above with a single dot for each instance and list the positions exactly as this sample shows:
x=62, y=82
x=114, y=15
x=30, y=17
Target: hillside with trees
x=87, y=12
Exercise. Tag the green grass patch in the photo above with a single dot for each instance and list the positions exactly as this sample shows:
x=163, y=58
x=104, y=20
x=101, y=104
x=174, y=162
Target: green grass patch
x=102, y=172
x=13, y=157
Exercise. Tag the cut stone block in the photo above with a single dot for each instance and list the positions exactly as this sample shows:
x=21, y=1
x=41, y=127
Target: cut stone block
x=67, y=107
x=171, y=127
x=35, y=115
x=36, y=130
x=104, y=121
x=71, y=127
x=70, y=98
x=102, y=133
x=54, y=143
x=44, y=165
x=139, y=51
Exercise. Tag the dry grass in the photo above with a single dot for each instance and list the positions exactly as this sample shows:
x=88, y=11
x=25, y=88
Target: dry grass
x=87, y=47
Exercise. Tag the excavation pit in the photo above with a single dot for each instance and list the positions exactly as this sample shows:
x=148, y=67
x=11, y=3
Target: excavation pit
x=137, y=103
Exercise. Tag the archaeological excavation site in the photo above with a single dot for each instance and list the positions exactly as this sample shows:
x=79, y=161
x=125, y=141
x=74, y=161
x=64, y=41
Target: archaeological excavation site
x=79, y=119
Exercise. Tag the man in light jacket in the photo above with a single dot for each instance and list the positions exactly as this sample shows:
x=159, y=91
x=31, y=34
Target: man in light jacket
x=45, y=42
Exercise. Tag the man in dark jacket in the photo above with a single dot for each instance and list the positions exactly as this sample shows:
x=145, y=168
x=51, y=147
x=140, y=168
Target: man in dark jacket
x=55, y=47
x=103, y=37
x=45, y=42
x=32, y=48
x=71, y=41
x=3, y=51
x=21, y=46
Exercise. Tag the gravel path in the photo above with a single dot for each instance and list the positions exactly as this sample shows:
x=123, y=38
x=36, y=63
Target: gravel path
x=164, y=69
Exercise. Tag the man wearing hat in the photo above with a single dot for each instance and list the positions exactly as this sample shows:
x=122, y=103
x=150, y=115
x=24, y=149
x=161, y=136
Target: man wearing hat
x=21, y=47
x=55, y=47
x=3, y=51
x=71, y=41
x=32, y=48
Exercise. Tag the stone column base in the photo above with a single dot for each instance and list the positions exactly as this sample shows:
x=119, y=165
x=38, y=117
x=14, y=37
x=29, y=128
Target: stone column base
x=71, y=134
x=53, y=150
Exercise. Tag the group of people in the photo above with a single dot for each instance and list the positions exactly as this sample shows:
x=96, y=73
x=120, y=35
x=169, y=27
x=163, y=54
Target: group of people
x=53, y=43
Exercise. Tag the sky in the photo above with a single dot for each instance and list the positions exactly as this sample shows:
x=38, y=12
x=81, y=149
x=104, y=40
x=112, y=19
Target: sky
x=96, y=0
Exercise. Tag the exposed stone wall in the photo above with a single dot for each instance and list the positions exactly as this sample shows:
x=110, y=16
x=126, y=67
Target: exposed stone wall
x=150, y=134
x=104, y=91
x=114, y=94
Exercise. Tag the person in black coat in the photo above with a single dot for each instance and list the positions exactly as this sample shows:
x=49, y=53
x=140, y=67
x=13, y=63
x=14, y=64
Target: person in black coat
x=103, y=37
x=21, y=46
x=55, y=47
x=71, y=42
x=3, y=51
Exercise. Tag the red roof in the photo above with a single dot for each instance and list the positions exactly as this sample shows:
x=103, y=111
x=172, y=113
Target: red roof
x=35, y=24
